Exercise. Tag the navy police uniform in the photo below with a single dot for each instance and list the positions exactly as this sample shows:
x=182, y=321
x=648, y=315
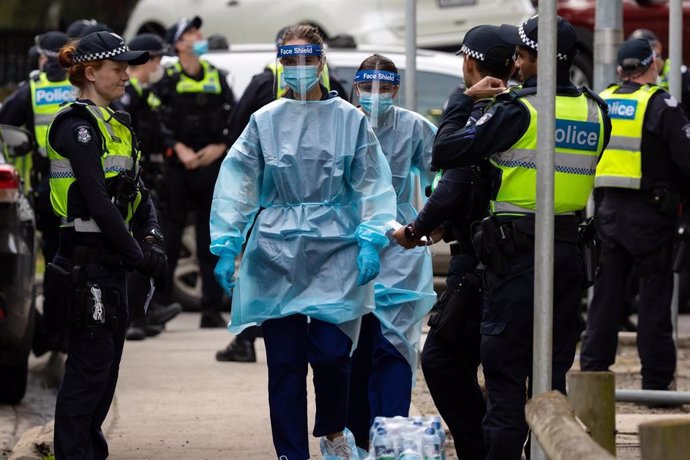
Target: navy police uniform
x=638, y=183
x=506, y=134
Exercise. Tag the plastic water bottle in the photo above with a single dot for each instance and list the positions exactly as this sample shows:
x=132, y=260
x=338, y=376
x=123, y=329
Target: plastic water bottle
x=384, y=448
x=431, y=445
x=436, y=423
x=378, y=421
x=410, y=444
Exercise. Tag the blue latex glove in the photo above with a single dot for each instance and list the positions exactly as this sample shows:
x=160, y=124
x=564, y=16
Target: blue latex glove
x=225, y=273
x=368, y=264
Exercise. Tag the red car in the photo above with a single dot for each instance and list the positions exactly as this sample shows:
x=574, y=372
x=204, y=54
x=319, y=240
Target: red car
x=637, y=14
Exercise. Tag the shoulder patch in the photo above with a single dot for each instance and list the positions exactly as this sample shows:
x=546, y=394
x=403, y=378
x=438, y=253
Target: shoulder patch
x=83, y=134
x=671, y=101
x=484, y=118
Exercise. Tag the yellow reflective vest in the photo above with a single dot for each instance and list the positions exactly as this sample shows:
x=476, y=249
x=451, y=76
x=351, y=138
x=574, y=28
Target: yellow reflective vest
x=119, y=154
x=621, y=163
x=579, y=142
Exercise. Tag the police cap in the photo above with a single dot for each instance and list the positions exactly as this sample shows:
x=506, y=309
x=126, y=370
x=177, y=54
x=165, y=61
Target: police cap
x=107, y=45
x=97, y=27
x=75, y=28
x=181, y=26
x=484, y=43
x=635, y=54
x=526, y=35
x=49, y=43
x=646, y=34
x=152, y=43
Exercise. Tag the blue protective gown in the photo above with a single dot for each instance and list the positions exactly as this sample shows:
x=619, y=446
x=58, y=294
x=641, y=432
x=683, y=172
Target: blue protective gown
x=318, y=171
x=405, y=287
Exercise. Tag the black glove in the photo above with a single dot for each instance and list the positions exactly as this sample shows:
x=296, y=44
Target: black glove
x=155, y=262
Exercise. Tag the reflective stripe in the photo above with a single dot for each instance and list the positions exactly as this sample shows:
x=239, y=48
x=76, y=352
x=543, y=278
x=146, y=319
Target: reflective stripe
x=83, y=225
x=565, y=162
x=503, y=207
x=96, y=112
x=624, y=143
x=617, y=181
x=62, y=169
x=43, y=119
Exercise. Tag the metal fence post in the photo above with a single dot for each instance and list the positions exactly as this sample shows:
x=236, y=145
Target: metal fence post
x=411, y=55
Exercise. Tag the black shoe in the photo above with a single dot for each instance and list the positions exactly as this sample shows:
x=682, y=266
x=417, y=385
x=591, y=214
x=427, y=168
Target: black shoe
x=135, y=332
x=241, y=351
x=153, y=330
x=210, y=320
x=159, y=314
x=626, y=325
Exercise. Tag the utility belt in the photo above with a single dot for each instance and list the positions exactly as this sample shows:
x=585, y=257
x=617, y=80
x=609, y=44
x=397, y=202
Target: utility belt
x=662, y=197
x=457, y=312
x=458, y=247
x=84, y=249
x=81, y=303
x=498, y=239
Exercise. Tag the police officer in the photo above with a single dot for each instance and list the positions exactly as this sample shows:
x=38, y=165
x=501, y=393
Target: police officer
x=195, y=103
x=33, y=105
x=638, y=179
x=507, y=134
x=95, y=189
x=142, y=105
x=76, y=27
x=262, y=89
x=450, y=360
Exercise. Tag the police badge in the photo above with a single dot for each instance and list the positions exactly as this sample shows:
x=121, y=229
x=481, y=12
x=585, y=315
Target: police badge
x=83, y=135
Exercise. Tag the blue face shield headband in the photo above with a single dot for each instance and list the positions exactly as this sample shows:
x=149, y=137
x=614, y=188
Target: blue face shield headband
x=287, y=51
x=381, y=76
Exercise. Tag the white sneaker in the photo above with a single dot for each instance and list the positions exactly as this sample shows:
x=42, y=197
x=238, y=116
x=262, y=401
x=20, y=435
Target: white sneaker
x=341, y=448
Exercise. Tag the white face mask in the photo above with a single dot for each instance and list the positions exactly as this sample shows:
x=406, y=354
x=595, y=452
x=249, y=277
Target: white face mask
x=156, y=75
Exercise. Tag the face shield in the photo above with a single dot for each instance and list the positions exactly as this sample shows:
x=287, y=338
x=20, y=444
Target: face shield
x=377, y=91
x=299, y=69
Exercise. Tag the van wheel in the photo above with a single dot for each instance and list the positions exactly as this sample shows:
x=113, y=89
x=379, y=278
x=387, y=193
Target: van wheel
x=13, y=382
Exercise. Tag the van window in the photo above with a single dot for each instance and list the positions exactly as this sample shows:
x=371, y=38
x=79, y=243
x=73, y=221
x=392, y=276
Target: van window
x=433, y=90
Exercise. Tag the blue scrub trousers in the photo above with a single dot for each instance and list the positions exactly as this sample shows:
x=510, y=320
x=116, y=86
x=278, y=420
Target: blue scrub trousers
x=291, y=343
x=381, y=382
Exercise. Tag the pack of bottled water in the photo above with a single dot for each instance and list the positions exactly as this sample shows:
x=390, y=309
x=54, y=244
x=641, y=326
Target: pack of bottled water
x=407, y=438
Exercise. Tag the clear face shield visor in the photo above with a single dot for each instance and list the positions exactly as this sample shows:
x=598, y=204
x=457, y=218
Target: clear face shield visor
x=377, y=91
x=298, y=69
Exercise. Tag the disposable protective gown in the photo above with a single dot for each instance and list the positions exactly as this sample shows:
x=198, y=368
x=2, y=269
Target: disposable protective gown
x=317, y=170
x=404, y=288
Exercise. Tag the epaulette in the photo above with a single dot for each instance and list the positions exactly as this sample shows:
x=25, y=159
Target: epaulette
x=595, y=97
x=516, y=92
x=35, y=75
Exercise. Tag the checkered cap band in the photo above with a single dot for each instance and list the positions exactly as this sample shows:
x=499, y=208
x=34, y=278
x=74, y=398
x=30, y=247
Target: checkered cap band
x=101, y=55
x=50, y=54
x=472, y=53
x=534, y=45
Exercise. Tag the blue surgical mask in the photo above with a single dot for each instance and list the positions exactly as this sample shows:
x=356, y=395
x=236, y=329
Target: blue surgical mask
x=200, y=47
x=379, y=102
x=301, y=78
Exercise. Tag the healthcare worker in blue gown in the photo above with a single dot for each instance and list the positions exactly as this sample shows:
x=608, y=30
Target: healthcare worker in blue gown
x=386, y=356
x=312, y=161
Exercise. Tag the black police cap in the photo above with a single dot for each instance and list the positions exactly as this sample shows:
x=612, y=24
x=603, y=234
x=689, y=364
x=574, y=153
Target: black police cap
x=635, y=54
x=526, y=35
x=181, y=26
x=152, y=43
x=75, y=28
x=49, y=43
x=485, y=44
x=107, y=45
x=97, y=27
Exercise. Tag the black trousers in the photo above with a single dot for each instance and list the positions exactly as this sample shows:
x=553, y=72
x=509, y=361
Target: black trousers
x=635, y=238
x=195, y=188
x=506, y=348
x=450, y=371
x=91, y=372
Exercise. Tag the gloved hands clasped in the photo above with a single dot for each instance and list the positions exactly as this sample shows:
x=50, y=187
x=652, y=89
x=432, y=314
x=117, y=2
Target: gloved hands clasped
x=225, y=272
x=368, y=264
x=155, y=262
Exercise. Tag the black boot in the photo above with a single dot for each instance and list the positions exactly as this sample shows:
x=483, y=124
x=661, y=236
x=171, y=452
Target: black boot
x=241, y=351
x=212, y=319
x=159, y=314
x=136, y=331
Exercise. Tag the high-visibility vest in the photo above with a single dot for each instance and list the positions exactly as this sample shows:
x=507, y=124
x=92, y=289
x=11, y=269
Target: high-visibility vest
x=279, y=87
x=579, y=142
x=119, y=154
x=46, y=98
x=621, y=163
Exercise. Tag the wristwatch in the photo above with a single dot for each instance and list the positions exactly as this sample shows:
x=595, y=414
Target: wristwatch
x=410, y=233
x=155, y=234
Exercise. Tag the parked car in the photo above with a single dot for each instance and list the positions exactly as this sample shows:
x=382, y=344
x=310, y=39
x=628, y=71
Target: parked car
x=637, y=14
x=18, y=262
x=438, y=74
x=440, y=23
